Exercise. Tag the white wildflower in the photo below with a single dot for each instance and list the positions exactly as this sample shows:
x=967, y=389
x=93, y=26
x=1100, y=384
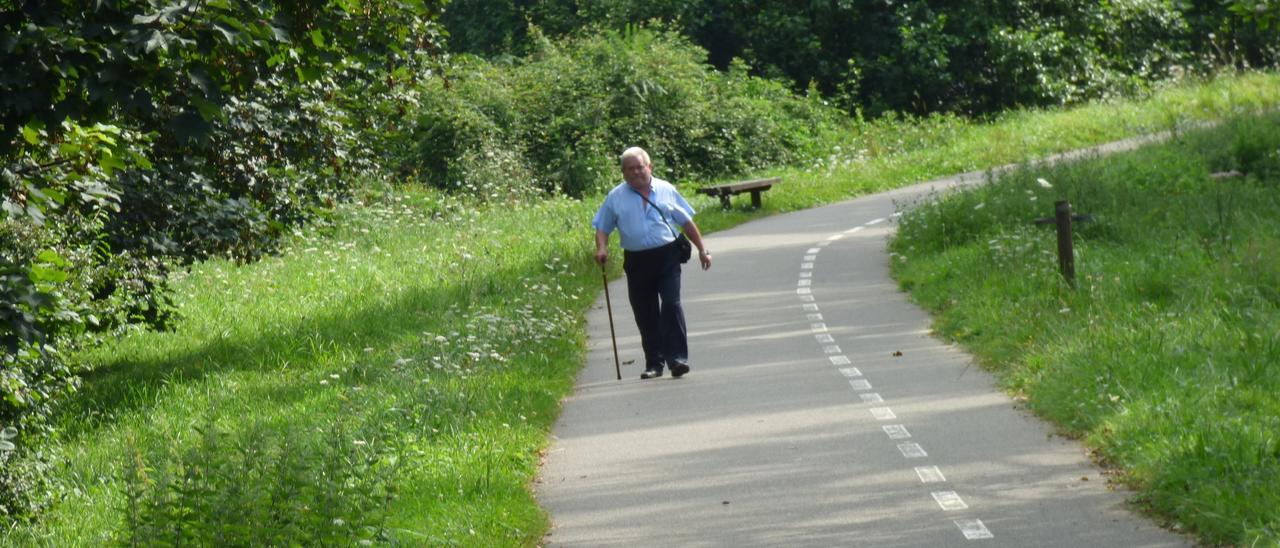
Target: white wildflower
x=1044, y=183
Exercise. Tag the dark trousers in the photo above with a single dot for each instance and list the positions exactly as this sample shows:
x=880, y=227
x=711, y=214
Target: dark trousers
x=653, y=286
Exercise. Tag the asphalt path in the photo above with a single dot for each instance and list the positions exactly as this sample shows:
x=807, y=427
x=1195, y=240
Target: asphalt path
x=819, y=412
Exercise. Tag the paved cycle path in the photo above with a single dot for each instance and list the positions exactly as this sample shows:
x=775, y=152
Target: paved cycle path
x=819, y=412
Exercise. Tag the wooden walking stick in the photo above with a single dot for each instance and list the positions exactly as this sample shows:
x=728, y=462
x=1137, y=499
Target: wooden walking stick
x=609, y=306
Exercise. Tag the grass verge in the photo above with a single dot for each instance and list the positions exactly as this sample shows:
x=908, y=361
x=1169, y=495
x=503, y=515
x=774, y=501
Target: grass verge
x=392, y=378
x=1164, y=357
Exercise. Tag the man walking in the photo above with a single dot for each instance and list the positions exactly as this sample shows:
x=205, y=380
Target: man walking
x=646, y=212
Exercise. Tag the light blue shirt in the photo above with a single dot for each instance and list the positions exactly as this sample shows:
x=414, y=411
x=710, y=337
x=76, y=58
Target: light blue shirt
x=641, y=227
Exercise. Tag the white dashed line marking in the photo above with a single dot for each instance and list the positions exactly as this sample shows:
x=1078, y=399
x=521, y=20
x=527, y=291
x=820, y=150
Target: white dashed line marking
x=883, y=413
x=850, y=372
x=860, y=384
x=806, y=274
x=806, y=266
x=839, y=360
x=804, y=282
x=973, y=529
x=815, y=317
x=930, y=474
x=811, y=307
x=803, y=291
x=896, y=431
x=852, y=230
x=831, y=349
x=871, y=398
x=912, y=450
x=949, y=500
x=806, y=297
x=814, y=250
x=825, y=338
x=874, y=221
x=834, y=237
x=818, y=327
x=809, y=258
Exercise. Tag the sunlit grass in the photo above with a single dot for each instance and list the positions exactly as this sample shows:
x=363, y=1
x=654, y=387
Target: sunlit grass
x=1163, y=358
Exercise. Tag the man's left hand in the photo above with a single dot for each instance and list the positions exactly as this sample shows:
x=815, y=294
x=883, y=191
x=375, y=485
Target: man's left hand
x=705, y=257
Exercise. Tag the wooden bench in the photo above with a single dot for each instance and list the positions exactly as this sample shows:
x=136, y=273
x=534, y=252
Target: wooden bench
x=729, y=189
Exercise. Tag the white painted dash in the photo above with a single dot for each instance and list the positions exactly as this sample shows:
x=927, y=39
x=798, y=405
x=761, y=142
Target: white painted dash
x=804, y=282
x=834, y=237
x=896, y=431
x=811, y=307
x=804, y=290
x=831, y=349
x=824, y=338
x=806, y=266
x=810, y=257
x=883, y=413
x=852, y=230
x=871, y=397
x=949, y=500
x=850, y=372
x=930, y=474
x=875, y=221
x=808, y=298
x=973, y=529
x=814, y=250
x=839, y=360
x=818, y=327
x=860, y=384
x=912, y=450
x=806, y=274
x=815, y=317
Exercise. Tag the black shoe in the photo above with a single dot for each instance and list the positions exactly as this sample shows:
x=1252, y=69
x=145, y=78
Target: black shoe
x=650, y=373
x=678, y=369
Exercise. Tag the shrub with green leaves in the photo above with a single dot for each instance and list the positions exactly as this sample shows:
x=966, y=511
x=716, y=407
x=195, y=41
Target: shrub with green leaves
x=141, y=133
x=918, y=57
x=557, y=119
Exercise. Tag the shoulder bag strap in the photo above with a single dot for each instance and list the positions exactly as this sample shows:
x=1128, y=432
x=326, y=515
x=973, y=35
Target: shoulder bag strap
x=660, y=214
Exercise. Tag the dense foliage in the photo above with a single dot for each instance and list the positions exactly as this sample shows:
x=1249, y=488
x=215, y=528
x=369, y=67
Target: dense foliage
x=921, y=56
x=134, y=134
x=554, y=121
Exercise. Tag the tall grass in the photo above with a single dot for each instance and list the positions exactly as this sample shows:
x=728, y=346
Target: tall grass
x=1164, y=358
x=391, y=377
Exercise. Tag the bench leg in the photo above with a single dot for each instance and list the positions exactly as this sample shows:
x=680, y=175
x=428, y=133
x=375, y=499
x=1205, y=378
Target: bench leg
x=755, y=199
x=724, y=201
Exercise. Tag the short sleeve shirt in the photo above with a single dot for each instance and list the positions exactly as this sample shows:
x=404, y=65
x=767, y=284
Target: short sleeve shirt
x=640, y=226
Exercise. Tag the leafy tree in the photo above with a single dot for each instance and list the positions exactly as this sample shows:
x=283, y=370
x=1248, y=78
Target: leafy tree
x=136, y=133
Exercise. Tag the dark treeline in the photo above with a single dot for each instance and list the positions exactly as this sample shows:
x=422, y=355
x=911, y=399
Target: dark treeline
x=967, y=56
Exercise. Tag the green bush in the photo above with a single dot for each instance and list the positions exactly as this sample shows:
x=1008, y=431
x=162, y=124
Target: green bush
x=557, y=119
x=919, y=57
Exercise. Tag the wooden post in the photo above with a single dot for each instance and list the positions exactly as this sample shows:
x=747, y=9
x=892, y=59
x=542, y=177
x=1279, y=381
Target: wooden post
x=755, y=199
x=1066, y=255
